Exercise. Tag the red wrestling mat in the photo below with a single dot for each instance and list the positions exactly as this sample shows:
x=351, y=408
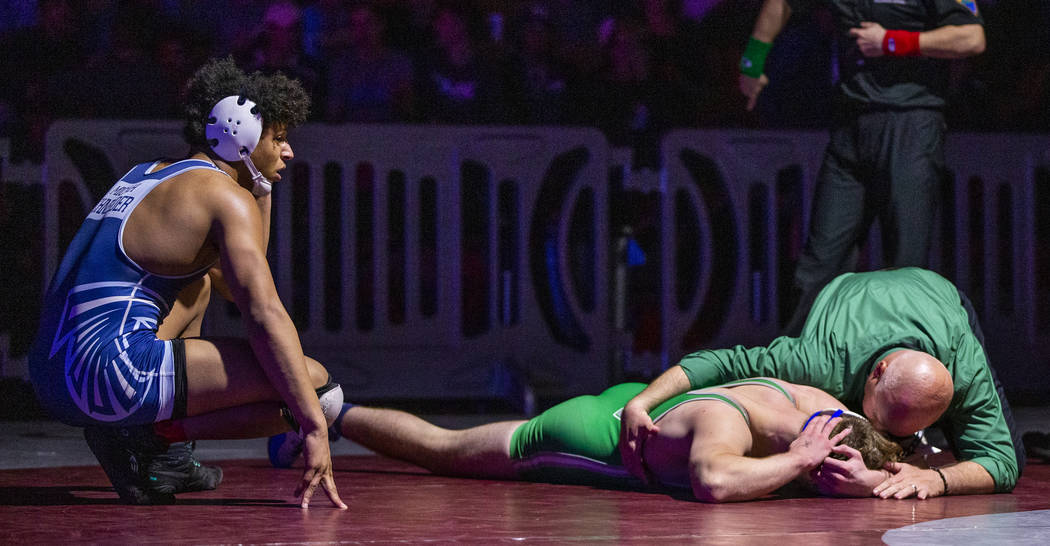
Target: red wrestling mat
x=395, y=502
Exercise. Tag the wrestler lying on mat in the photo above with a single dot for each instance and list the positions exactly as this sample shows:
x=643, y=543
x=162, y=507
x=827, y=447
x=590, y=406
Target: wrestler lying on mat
x=735, y=442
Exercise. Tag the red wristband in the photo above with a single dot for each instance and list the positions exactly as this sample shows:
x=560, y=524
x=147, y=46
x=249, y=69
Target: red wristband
x=901, y=43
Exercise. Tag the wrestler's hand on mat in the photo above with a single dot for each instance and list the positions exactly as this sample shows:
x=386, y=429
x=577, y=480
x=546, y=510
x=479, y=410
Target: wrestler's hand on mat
x=635, y=428
x=751, y=87
x=869, y=38
x=908, y=480
x=849, y=478
x=318, y=470
x=813, y=444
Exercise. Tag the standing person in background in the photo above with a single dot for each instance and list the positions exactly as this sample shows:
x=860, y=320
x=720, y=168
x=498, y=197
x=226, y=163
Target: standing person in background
x=885, y=158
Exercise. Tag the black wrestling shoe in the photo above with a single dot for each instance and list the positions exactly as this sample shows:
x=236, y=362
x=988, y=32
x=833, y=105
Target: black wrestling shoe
x=125, y=453
x=1037, y=445
x=177, y=471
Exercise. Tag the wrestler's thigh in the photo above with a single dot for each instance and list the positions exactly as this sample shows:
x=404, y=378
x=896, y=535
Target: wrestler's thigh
x=224, y=373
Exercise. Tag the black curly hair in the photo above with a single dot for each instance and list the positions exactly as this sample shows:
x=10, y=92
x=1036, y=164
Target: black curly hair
x=281, y=100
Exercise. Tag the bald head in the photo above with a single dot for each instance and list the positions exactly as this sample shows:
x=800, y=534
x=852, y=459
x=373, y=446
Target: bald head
x=907, y=391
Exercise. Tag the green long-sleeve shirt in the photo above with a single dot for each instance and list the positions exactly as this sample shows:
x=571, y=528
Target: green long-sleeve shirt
x=855, y=321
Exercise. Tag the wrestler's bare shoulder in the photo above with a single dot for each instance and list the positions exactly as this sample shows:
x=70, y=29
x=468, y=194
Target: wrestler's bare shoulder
x=201, y=187
x=811, y=399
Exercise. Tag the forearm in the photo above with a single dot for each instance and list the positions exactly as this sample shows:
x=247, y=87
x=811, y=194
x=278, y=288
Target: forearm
x=952, y=42
x=744, y=478
x=670, y=383
x=967, y=478
x=276, y=345
x=771, y=20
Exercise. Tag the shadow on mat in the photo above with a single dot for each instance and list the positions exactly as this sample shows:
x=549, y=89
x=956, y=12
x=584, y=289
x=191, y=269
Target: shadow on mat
x=596, y=482
x=71, y=495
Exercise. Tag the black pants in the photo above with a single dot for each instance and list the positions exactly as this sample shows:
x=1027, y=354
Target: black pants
x=1015, y=435
x=886, y=165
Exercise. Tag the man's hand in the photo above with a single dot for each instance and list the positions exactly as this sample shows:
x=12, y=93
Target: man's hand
x=635, y=428
x=813, y=445
x=751, y=87
x=318, y=470
x=869, y=38
x=908, y=480
x=849, y=478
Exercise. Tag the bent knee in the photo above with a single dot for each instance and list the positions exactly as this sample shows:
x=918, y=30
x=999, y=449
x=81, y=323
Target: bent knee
x=318, y=373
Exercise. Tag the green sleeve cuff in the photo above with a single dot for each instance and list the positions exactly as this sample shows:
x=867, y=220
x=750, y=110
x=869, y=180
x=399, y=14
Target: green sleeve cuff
x=1003, y=473
x=753, y=62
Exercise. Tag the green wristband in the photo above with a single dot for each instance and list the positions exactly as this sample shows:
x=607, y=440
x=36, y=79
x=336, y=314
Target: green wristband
x=753, y=62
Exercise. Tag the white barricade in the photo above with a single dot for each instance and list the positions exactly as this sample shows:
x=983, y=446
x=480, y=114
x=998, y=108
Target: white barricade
x=442, y=262
x=728, y=182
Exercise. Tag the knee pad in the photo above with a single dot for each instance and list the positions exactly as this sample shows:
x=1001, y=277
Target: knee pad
x=330, y=395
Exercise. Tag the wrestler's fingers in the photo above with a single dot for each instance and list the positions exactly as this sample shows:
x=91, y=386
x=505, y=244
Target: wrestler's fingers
x=831, y=465
x=849, y=452
x=304, y=482
x=308, y=493
x=627, y=451
x=328, y=483
x=841, y=435
x=831, y=421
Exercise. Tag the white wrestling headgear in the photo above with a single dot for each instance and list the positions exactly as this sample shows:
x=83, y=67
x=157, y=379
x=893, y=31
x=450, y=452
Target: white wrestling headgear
x=233, y=130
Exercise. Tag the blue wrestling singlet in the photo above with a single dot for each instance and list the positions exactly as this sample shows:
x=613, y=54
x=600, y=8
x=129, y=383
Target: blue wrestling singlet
x=96, y=358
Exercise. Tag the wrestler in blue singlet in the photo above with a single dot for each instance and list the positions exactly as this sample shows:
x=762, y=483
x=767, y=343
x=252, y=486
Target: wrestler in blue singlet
x=96, y=358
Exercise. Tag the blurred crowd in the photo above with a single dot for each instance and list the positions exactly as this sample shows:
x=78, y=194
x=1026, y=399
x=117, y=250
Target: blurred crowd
x=633, y=68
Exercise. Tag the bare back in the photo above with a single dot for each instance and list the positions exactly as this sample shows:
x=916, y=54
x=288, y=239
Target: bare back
x=169, y=232
x=773, y=421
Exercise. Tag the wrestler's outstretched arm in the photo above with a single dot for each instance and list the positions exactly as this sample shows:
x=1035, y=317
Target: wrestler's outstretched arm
x=238, y=233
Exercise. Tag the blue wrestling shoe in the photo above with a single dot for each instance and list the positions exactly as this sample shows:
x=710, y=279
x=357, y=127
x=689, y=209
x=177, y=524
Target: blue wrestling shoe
x=178, y=471
x=285, y=448
x=124, y=454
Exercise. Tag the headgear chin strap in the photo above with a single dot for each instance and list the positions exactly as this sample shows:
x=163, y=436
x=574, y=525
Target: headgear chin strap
x=233, y=131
